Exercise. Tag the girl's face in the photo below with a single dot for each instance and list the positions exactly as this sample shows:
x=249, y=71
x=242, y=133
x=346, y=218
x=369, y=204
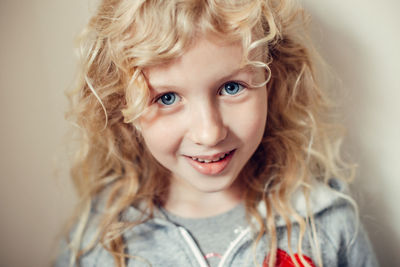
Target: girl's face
x=204, y=121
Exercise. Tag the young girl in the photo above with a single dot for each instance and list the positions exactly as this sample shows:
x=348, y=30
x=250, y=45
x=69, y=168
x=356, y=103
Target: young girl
x=205, y=141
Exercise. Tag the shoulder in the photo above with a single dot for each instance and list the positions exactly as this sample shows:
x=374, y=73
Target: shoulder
x=338, y=225
x=140, y=238
x=82, y=236
x=337, y=229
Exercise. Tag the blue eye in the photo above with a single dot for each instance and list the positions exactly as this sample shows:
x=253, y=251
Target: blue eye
x=231, y=88
x=168, y=99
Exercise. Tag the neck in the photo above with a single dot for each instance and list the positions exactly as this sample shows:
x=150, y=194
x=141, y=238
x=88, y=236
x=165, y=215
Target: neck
x=202, y=204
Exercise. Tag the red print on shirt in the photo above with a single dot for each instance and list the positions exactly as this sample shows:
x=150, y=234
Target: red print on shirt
x=283, y=260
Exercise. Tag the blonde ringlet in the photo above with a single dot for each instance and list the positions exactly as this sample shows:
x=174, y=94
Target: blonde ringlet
x=125, y=36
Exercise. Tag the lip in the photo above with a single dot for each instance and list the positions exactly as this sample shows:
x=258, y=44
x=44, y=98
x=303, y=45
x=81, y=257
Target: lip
x=211, y=168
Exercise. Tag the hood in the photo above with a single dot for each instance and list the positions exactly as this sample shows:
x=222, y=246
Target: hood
x=322, y=196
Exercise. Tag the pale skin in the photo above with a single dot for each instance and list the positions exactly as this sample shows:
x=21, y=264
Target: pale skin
x=204, y=123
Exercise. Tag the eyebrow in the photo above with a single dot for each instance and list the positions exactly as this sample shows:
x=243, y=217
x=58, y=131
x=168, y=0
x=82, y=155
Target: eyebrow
x=245, y=70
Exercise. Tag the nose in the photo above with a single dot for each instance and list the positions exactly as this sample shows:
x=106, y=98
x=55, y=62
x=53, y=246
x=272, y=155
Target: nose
x=207, y=127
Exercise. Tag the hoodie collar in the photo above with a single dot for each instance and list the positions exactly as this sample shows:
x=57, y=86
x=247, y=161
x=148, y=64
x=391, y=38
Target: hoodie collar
x=321, y=197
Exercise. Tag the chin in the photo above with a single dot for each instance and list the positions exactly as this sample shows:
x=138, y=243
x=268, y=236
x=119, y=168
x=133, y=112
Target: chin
x=214, y=185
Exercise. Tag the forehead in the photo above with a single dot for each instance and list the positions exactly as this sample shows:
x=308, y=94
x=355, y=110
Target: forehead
x=212, y=53
x=205, y=57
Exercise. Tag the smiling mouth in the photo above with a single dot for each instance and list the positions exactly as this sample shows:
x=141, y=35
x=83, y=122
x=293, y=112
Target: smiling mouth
x=211, y=165
x=203, y=160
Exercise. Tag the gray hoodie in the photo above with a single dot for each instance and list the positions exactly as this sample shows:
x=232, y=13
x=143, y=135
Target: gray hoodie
x=159, y=242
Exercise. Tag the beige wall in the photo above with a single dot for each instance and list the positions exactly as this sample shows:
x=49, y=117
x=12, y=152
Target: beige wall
x=36, y=65
x=360, y=41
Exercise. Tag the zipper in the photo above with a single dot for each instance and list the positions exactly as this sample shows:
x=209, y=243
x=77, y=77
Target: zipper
x=196, y=251
x=232, y=246
x=199, y=256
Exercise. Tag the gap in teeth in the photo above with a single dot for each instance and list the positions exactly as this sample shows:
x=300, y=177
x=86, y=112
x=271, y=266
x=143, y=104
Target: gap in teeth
x=208, y=161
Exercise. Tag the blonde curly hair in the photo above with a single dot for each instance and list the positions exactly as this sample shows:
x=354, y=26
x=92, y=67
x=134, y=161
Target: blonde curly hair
x=125, y=36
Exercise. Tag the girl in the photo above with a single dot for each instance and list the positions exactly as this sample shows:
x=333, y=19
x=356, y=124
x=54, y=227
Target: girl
x=205, y=141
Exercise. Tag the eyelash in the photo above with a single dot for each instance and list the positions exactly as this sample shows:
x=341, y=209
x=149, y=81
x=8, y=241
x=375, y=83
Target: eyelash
x=240, y=85
x=158, y=98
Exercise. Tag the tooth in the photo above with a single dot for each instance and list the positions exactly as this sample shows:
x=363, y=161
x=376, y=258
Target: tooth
x=210, y=160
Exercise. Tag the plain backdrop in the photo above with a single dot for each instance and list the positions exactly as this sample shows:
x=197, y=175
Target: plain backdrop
x=360, y=40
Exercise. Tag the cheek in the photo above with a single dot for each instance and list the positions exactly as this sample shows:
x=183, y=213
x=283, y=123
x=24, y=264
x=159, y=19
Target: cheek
x=248, y=122
x=161, y=138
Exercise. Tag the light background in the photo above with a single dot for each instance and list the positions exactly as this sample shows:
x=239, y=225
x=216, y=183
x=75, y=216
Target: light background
x=360, y=40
